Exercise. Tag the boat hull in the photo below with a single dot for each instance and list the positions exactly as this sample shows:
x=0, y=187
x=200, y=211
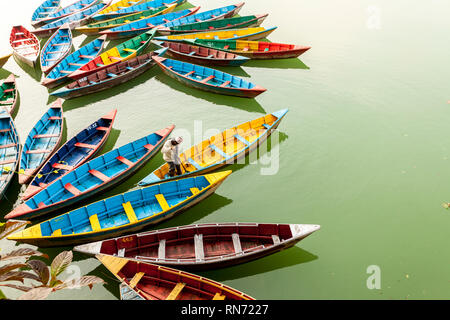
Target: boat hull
x=4, y=59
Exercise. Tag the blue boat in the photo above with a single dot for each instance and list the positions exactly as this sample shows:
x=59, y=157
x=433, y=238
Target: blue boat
x=56, y=48
x=82, y=147
x=124, y=213
x=74, y=62
x=9, y=150
x=147, y=5
x=74, y=20
x=208, y=79
x=66, y=11
x=47, y=8
x=95, y=176
x=221, y=149
x=41, y=142
x=139, y=26
x=214, y=14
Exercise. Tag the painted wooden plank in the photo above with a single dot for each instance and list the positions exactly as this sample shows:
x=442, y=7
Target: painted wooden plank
x=38, y=151
x=176, y=291
x=69, y=187
x=194, y=163
x=242, y=139
x=125, y=161
x=137, y=277
x=199, y=250
x=62, y=166
x=236, y=243
x=219, y=296
x=194, y=191
x=207, y=79
x=99, y=175
x=162, y=249
x=129, y=211
x=276, y=239
x=95, y=223
x=85, y=145
x=162, y=202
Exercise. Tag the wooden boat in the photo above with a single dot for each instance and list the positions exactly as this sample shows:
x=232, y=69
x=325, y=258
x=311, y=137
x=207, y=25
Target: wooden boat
x=71, y=9
x=10, y=148
x=48, y=7
x=214, y=25
x=108, y=78
x=73, y=62
x=208, y=79
x=74, y=20
x=254, y=49
x=57, y=48
x=139, y=26
x=122, y=4
x=203, y=246
x=95, y=28
x=126, y=293
x=8, y=94
x=79, y=149
x=154, y=282
x=246, y=33
x=202, y=55
x=222, y=149
x=122, y=52
x=210, y=15
x=41, y=142
x=93, y=177
x=4, y=59
x=123, y=213
x=26, y=46
x=143, y=6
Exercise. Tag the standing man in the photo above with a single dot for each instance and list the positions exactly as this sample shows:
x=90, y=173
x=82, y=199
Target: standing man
x=171, y=155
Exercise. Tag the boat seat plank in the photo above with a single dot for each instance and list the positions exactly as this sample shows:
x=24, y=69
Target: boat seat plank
x=48, y=135
x=236, y=243
x=218, y=150
x=7, y=161
x=85, y=145
x=114, y=264
x=4, y=130
x=162, y=249
x=194, y=163
x=176, y=291
x=149, y=146
x=95, y=223
x=99, y=175
x=129, y=50
x=5, y=146
x=242, y=139
x=8, y=90
x=125, y=161
x=69, y=187
x=276, y=239
x=189, y=73
x=219, y=296
x=38, y=151
x=75, y=64
x=265, y=125
x=121, y=252
x=57, y=233
x=199, y=250
x=86, y=57
x=223, y=85
x=65, y=71
x=61, y=44
x=162, y=202
x=21, y=40
x=55, y=118
x=129, y=211
x=207, y=79
x=112, y=75
x=194, y=191
x=102, y=128
x=137, y=277
x=62, y=166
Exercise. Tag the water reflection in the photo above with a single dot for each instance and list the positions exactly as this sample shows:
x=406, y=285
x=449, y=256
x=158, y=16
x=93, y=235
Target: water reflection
x=34, y=73
x=293, y=63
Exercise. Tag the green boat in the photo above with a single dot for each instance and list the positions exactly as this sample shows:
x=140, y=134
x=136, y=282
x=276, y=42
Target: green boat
x=95, y=28
x=8, y=94
x=221, y=24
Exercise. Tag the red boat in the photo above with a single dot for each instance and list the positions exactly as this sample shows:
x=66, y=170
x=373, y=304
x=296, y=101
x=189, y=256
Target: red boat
x=26, y=46
x=153, y=282
x=203, y=246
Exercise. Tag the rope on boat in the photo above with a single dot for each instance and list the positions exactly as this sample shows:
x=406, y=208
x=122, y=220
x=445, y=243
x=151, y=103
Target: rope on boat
x=22, y=171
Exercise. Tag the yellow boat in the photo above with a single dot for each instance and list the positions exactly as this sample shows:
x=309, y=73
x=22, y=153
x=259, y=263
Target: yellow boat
x=95, y=28
x=119, y=6
x=246, y=33
x=221, y=149
x=4, y=59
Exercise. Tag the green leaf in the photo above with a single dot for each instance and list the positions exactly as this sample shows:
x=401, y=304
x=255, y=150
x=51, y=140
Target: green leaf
x=41, y=270
x=61, y=262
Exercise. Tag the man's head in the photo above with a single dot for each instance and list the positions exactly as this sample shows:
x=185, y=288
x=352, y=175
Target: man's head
x=177, y=140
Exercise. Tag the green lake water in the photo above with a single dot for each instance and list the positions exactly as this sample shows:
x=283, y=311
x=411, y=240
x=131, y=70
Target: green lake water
x=364, y=150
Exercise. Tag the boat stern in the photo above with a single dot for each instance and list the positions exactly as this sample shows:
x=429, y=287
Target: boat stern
x=303, y=230
x=92, y=248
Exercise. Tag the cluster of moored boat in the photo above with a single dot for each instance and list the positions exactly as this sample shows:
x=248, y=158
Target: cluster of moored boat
x=58, y=176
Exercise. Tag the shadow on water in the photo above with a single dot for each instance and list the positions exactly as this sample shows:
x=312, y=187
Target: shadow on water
x=10, y=197
x=108, y=92
x=34, y=73
x=250, y=105
x=286, y=258
x=293, y=63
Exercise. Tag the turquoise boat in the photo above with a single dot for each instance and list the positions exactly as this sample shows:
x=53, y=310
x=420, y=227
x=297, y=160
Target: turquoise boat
x=93, y=177
x=10, y=149
x=56, y=48
x=64, y=12
x=74, y=62
x=47, y=8
x=41, y=142
x=123, y=213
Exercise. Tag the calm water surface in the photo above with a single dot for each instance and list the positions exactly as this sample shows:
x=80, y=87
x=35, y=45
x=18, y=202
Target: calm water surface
x=364, y=150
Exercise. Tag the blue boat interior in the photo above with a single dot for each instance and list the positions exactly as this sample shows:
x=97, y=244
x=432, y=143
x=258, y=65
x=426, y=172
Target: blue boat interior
x=71, y=8
x=124, y=208
x=151, y=22
x=73, y=152
x=95, y=172
x=42, y=139
x=145, y=6
x=9, y=149
x=76, y=60
x=207, y=75
x=202, y=16
x=75, y=17
x=56, y=48
x=45, y=9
